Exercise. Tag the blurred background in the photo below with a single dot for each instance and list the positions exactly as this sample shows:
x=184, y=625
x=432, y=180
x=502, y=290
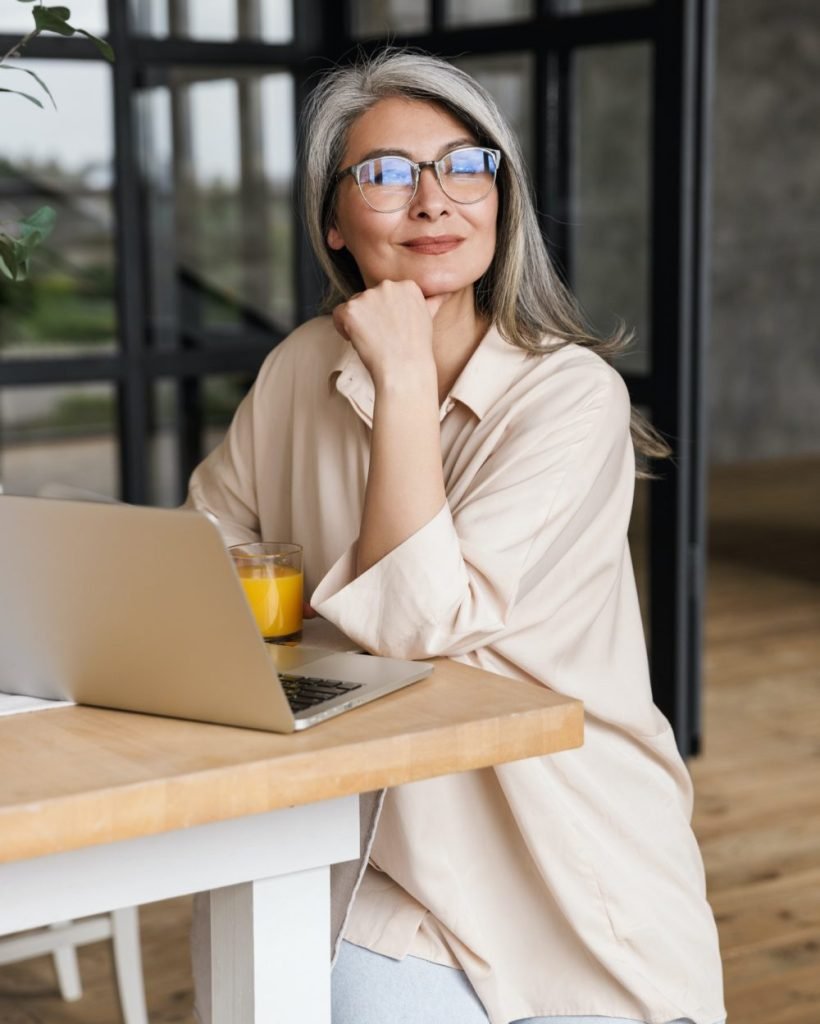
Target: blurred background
x=674, y=154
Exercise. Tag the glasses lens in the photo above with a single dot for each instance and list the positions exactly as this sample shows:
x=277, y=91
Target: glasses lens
x=387, y=183
x=468, y=175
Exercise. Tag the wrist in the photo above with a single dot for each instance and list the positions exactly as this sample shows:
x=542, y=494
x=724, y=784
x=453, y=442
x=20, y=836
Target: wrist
x=414, y=379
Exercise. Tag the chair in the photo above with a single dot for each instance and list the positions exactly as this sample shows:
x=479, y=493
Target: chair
x=61, y=940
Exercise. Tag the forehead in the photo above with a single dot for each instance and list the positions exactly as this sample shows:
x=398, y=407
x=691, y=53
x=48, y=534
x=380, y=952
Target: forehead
x=414, y=126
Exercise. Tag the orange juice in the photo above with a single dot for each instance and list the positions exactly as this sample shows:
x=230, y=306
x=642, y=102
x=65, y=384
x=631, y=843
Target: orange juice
x=275, y=600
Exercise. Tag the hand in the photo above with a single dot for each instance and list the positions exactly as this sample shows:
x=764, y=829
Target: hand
x=391, y=328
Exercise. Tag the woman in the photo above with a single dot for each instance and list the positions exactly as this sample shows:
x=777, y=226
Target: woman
x=455, y=455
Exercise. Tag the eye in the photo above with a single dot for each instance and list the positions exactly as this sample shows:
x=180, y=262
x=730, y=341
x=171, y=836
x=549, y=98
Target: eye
x=387, y=171
x=469, y=162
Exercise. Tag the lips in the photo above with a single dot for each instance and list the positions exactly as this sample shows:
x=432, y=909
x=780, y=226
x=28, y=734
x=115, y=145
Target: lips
x=433, y=245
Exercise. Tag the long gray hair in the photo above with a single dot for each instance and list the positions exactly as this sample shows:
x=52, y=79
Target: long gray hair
x=520, y=293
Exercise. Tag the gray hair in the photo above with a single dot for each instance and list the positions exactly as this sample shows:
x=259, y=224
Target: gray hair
x=521, y=293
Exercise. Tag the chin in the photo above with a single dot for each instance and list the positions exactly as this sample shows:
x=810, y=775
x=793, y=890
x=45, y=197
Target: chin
x=441, y=284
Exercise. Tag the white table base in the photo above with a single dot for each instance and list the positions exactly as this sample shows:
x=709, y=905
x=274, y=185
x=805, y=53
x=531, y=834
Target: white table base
x=268, y=875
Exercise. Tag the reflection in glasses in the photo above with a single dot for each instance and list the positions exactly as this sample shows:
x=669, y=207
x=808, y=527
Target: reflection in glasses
x=389, y=183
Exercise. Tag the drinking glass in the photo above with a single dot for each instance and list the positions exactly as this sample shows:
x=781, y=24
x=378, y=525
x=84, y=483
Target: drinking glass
x=271, y=576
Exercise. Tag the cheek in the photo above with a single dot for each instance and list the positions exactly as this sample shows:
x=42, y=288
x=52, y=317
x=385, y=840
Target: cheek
x=366, y=240
x=488, y=224
x=363, y=245
x=491, y=238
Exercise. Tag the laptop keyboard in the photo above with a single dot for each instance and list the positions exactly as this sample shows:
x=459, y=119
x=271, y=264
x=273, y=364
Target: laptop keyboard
x=307, y=692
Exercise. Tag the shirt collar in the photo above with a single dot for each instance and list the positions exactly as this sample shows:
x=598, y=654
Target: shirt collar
x=486, y=377
x=488, y=373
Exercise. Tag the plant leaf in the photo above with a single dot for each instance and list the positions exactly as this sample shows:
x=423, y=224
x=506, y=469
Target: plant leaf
x=8, y=258
x=63, y=13
x=101, y=45
x=53, y=19
x=36, y=228
x=15, y=253
x=40, y=82
x=32, y=99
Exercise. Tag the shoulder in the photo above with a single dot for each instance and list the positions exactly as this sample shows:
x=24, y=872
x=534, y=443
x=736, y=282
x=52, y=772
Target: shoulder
x=570, y=387
x=310, y=351
x=580, y=416
x=583, y=371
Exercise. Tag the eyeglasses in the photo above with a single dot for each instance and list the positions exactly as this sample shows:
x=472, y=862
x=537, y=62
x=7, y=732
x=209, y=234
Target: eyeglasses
x=389, y=183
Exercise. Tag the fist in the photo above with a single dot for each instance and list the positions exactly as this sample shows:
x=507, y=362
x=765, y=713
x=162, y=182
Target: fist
x=391, y=327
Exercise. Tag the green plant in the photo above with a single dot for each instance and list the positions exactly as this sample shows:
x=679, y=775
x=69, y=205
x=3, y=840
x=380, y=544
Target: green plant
x=16, y=249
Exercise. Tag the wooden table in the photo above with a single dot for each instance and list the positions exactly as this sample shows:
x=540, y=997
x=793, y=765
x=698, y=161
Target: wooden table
x=102, y=809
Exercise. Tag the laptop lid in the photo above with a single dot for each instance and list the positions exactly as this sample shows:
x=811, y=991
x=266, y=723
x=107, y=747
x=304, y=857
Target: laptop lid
x=132, y=608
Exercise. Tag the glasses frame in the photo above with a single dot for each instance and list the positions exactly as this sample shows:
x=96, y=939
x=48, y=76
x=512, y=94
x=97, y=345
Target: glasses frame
x=355, y=170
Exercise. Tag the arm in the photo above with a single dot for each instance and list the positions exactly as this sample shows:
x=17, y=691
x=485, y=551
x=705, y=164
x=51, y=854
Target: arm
x=537, y=531
x=391, y=328
x=224, y=484
x=405, y=485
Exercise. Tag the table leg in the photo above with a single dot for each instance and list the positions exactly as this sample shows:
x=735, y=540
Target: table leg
x=273, y=935
x=270, y=950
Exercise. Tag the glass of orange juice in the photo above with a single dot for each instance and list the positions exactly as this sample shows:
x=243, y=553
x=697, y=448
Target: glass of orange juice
x=271, y=576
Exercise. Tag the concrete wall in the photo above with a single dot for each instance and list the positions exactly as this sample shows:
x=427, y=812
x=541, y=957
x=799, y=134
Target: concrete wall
x=765, y=357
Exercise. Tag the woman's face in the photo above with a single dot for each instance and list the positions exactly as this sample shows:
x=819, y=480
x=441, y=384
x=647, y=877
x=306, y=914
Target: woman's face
x=442, y=245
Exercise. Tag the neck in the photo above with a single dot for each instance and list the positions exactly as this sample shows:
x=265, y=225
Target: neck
x=457, y=331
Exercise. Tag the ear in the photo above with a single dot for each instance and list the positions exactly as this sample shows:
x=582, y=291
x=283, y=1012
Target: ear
x=335, y=239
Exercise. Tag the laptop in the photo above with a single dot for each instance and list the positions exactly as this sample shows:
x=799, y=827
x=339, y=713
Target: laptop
x=140, y=609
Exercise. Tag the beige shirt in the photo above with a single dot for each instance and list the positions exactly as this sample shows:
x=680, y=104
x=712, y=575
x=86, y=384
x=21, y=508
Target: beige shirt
x=561, y=885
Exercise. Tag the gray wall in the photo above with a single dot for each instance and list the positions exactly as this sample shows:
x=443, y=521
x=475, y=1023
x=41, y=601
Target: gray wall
x=765, y=348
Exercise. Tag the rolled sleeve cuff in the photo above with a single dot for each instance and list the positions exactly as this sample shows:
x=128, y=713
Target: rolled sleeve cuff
x=399, y=605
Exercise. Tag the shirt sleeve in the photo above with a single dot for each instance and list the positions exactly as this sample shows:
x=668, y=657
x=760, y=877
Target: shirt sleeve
x=558, y=481
x=255, y=459
x=222, y=486
x=225, y=485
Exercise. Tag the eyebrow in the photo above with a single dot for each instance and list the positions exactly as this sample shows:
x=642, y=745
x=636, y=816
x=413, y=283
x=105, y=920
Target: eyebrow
x=374, y=154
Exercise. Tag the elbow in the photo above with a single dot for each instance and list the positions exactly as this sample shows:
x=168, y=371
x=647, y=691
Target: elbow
x=445, y=636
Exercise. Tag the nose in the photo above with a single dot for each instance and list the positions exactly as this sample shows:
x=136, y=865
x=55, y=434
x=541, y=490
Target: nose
x=430, y=200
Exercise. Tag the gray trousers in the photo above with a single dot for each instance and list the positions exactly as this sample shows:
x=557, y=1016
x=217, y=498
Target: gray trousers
x=371, y=989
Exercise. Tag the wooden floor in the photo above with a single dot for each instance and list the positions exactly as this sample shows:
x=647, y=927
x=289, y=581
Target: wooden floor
x=757, y=783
